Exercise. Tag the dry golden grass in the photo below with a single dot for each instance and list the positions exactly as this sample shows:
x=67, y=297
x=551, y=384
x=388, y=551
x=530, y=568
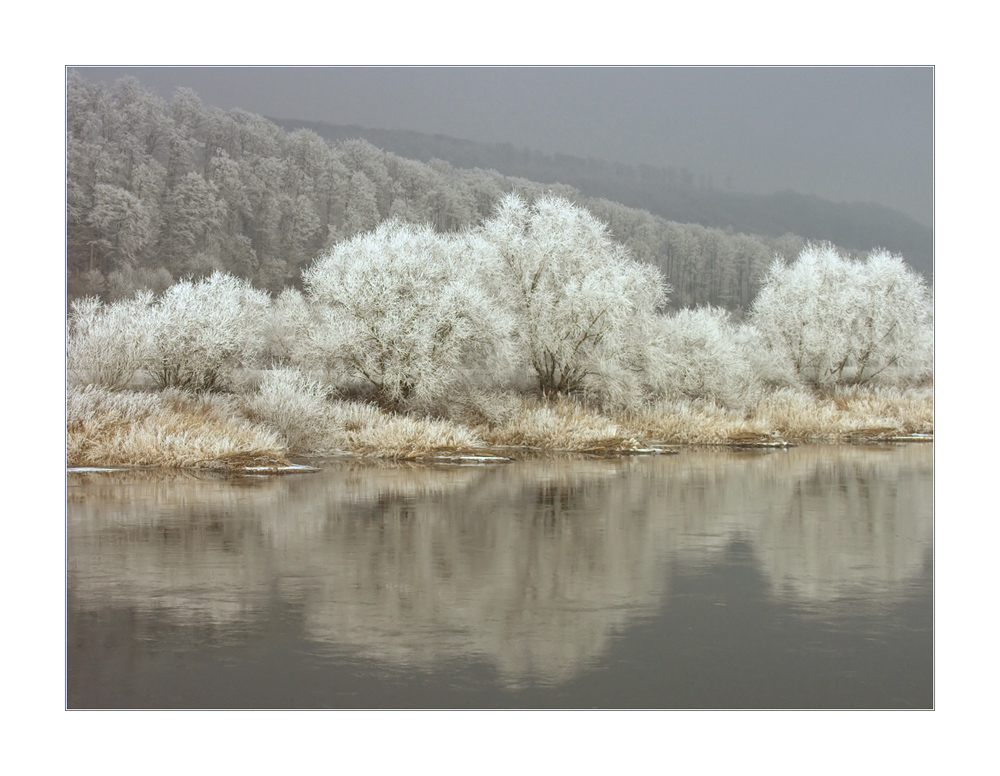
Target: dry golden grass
x=176, y=429
x=403, y=437
x=688, y=422
x=791, y=415
x=168, y=429
x=847, y=413
x=560, y=425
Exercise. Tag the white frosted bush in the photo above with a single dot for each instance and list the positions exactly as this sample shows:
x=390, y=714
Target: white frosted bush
x=892, y=332
x=409, y=312
x=770, y=366
x=698, y=354
x=840, y=321
x=202, y=332
x=295, y=406
x=286, y=332
x=582, y=304
x=107, y=344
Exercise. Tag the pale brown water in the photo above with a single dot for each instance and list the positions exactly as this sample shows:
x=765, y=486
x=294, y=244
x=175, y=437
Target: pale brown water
x=789, y=579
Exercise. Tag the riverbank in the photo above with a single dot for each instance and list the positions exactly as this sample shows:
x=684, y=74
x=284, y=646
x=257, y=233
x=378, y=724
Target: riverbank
x=227, y=432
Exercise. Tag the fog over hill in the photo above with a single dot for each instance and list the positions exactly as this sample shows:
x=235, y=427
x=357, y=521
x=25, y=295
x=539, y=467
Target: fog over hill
x=846, y=134
x=159, y=190
x=679, y=195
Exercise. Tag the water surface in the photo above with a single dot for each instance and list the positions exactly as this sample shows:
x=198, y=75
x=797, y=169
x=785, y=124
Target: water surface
x=789, y=579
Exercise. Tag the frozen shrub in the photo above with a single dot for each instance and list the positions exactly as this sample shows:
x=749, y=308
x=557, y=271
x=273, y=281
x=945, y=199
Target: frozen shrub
x=407, y=311
x=770, y=367
x=107, y=344
x=288, y=328
x=582, y=304
x=893, y=335
x=294, y=406
x=202, y=332
x=840, y=321
x=697, y=354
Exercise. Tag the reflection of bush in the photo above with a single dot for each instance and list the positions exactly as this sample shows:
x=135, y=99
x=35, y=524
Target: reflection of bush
x=880, y=539
x=824, y=521
x=532, y=572
x=531, y=566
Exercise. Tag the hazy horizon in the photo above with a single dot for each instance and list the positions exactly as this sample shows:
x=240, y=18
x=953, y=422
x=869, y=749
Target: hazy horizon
x=846, y=134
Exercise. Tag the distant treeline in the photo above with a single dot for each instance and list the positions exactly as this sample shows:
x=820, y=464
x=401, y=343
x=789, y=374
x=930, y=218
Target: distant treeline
x=675, y=193
x=162, y=190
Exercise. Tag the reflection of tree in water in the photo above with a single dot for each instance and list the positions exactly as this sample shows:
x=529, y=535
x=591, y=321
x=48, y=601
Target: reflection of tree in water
x=532, y=571
x=531, y=567
x=825, y=522
x=853, y=521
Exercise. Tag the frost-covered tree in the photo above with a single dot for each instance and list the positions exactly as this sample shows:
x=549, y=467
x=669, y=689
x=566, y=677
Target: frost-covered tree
x=407, y=311
x=192, y=222
x=362, y=207
x=202, y=332
x=843, y=321
x=697, y=353
x=582, y=304
x=193, y=188
x=891, y=331
x=125, y=282
x=289, y=329
x=123, y=224
x=107, y=344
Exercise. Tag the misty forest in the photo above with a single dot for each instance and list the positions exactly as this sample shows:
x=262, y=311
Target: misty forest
x=240, y=294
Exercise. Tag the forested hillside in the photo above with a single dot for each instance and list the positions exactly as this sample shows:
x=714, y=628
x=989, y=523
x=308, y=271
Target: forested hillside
x=162, y=190
x=678, y=194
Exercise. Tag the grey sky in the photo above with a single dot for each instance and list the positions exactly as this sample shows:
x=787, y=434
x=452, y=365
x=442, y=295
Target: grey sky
x=847, y=134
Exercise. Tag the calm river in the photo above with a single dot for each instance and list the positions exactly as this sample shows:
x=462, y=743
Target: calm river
x=796, y=578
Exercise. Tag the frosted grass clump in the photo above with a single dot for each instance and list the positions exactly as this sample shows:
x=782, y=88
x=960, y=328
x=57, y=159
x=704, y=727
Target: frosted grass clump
x=846, y=412
x=86, y=405
x=561, y=424
x=403, y=437
x=691, y=422
x=167, y=429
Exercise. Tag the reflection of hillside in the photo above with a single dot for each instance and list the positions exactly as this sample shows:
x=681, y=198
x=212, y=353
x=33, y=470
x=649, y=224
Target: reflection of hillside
x=531, y=566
